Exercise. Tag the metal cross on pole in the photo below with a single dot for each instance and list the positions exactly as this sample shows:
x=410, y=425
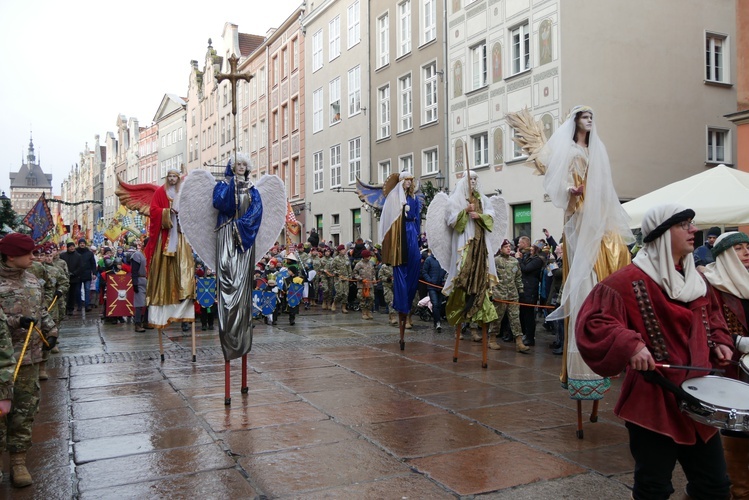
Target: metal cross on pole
x=234, y=77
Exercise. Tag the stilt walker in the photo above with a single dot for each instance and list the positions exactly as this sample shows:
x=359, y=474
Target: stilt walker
x=577, y=175
x=400, y=226
x=170, y=290
x=231, y=224
x=466, y=229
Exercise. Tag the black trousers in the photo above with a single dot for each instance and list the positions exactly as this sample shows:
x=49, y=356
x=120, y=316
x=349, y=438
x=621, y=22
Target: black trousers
x=528, y=319
x=655, y=458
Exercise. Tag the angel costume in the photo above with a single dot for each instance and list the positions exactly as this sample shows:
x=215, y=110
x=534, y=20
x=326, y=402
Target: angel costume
x=171, y=282
x=470, y=272
x=595, y=236
x=240, y=211
x=400, y=226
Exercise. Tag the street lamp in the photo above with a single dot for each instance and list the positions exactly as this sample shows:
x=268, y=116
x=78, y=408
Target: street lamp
x=440, y=179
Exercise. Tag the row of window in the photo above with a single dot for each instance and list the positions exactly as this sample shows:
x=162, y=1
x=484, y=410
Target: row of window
x=429, y=158
x=173, y=162
x=334, y=94
x=168, y=138
x=353, y=17
x=427, y=29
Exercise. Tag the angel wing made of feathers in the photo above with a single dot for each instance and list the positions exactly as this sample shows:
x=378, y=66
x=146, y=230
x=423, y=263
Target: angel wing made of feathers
x=135, y=196
x=529, y=135
x=375, y=196
x=501, y=222
x=197, y=217
x=439, y=233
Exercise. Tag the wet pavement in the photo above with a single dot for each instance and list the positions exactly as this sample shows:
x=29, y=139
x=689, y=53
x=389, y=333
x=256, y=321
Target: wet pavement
x=334, y=410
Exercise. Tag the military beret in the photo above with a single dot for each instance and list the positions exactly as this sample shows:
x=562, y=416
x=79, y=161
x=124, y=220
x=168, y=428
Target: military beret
x=16, y=244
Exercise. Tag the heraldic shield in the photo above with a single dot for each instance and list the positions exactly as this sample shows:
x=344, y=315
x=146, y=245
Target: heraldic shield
x=294, y=296
x=206, y=291
x=119, y=295
x=263, y=302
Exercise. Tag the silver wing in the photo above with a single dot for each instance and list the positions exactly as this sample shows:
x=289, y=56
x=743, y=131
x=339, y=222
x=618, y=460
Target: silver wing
x=273, y=194
x=501, y=222
x=438, y=233
x=197, y=217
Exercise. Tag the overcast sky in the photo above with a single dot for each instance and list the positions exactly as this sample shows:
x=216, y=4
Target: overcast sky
x=70, y=68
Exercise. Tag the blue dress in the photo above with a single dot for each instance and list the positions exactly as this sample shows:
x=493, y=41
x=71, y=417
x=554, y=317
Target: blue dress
x=406, y=275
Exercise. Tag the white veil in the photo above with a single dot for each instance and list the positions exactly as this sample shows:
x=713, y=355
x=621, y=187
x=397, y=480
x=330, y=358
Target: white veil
x=458, y=202
x=582, y=235
x=393, y=207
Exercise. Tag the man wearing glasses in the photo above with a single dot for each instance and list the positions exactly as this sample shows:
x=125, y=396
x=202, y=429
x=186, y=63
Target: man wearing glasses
x=660, y=310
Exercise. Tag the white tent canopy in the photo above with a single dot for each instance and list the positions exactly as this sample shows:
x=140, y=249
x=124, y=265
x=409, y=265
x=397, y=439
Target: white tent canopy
x=719, y=197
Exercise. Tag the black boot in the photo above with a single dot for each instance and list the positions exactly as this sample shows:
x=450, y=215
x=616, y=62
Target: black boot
x=291, y=319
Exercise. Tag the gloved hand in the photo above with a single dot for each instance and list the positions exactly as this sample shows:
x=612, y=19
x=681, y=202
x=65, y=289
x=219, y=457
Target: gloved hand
x=58, y=294
x=52, y=341
x=25, y=322
x=742, y=345
x=135, y=288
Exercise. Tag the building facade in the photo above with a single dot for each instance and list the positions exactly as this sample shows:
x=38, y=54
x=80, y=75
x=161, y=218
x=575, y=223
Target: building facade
x=171, y=119
x=28, y=183
x=337, y=128
x=549, y=56
x=407, y=121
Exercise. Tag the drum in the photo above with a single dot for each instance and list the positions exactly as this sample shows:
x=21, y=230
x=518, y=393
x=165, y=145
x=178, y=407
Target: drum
x=723, y=402
x=744, y=368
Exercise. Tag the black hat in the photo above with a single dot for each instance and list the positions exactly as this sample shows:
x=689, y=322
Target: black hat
x=713, y=231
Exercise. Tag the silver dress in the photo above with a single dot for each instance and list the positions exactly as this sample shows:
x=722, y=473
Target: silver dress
x=234, y=285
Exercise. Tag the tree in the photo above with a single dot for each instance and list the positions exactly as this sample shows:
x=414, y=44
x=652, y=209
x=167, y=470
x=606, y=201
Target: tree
x=7, y=215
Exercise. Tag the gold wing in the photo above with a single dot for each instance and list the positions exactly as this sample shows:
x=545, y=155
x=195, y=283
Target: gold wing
x=135, y=196
x=529, y=135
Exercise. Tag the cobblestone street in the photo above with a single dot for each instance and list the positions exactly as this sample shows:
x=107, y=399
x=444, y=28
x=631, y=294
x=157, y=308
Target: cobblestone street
x=334, y=410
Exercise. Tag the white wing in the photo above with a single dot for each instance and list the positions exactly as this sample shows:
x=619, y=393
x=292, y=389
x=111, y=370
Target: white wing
x=501, y=222
x=438, y=233
x=273, y=194
x=197, y=217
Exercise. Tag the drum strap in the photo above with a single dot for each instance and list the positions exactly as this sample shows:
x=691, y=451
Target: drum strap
x=656, y=378
x=652, y=327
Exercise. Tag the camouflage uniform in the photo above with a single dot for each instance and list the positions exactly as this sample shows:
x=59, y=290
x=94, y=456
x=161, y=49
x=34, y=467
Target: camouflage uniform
x=364, y=270
x=21, y=295
x=509, y=288
x=62, y=284
x=62, y=301
x=315, y=283
x=45, y=280
x=385, y=275
x=341, y=269
x=7, y=361
x=327, y=282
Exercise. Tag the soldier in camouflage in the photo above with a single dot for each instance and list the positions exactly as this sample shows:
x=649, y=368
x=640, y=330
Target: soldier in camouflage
x=22, y=302
x=327, y=281
x=60, y=283
x=340, y=268
x=364, y=274
x=315, y=283
x=508, y=289
x=385, y=275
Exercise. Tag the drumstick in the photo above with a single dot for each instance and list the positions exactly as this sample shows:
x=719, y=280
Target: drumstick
x=695, y=368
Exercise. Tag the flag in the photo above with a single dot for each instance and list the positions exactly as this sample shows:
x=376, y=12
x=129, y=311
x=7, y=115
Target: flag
x=39, y=219
x=292, y=225
x=115, y=228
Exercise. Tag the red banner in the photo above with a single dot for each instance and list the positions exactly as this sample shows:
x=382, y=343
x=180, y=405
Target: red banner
x=119, y=295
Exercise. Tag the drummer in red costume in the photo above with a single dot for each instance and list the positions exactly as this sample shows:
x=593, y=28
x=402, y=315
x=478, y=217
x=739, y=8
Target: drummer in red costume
x=659, y=310
x=729, y=277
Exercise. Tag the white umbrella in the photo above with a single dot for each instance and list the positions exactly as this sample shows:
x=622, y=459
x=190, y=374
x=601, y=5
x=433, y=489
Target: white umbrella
x=718, y=196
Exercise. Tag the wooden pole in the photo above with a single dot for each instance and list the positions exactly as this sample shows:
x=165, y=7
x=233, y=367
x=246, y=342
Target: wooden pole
x=484, y=345
x=161, y=344
x=193, y=342
x=458, y=328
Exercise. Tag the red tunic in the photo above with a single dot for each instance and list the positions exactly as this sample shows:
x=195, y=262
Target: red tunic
x=159, y=203
x=610, y=329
